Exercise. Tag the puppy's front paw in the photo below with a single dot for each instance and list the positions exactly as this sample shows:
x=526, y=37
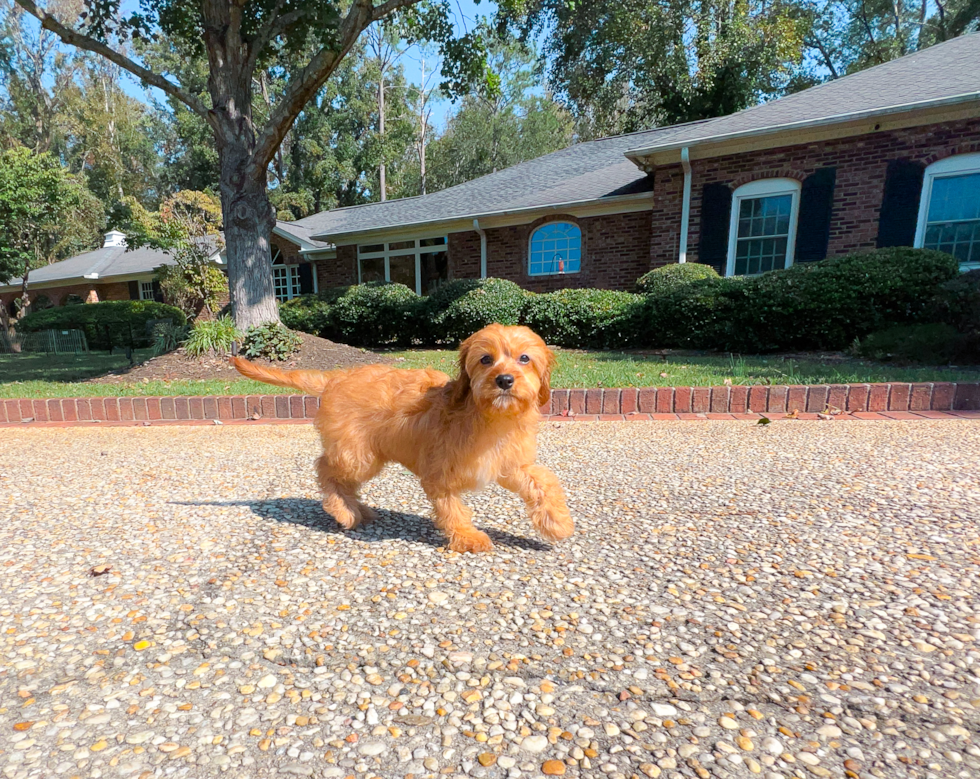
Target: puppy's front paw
x=473, y=541
x=554, y=525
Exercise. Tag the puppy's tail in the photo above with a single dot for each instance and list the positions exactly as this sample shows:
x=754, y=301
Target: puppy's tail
x=310, y=382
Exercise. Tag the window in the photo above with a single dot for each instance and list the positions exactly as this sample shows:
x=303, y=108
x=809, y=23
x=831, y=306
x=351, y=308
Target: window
x=555, y=248
x=949, y=212
x=146, y=290
x=421, y=264
x=285, y=278
x=763, y=226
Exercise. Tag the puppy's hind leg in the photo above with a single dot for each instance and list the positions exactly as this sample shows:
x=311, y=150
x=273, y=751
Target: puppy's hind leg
x=340, y=495
x=545, y=499
x=454, y=519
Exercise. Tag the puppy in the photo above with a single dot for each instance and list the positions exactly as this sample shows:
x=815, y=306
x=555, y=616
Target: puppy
x=455, y=435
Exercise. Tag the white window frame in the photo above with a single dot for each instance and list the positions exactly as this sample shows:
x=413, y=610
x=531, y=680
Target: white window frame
x=957, y=165
x=759, y=189
x=387, y=253
x=146, y=290
x=530, y=240
x=293, y=283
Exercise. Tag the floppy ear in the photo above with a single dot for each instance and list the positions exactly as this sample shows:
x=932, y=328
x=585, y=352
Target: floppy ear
x=460, y=387
x=544, y=394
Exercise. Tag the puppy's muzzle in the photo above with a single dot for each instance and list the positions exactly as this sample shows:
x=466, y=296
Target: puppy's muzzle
x=505, y=381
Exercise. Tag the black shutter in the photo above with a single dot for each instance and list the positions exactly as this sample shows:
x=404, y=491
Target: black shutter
x=816, y=204
x=716, y=214
x=157, y=291
x=306, y=279
x=900, y=203
x=134, y=290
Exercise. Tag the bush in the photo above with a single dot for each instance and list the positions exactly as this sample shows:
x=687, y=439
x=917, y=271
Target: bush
x=271, y=341
x=666, y=279
x=930, y=344
x=375, y=314
x=72, y=300
x=306, y=313
x=111, y=324
x=212, y=336
x=168, y=336
x=957, y=303
x=585, y=318
x=458, y=309
x=692, y=316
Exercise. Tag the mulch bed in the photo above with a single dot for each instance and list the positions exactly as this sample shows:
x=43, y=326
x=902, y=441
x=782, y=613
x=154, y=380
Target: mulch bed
x=315, y=354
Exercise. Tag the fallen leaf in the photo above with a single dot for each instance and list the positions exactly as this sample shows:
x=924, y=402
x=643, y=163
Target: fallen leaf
x=794, y=414
x=728, y=382
x=764, y=421
x=663, y=375
x=824, y=416
x=255, y=416
x=99, y=570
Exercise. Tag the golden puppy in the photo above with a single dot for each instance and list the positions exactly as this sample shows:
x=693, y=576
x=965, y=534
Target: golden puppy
x=455, y=435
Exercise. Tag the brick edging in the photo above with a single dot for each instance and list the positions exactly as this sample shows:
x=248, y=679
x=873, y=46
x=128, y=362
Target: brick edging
x=650, y=402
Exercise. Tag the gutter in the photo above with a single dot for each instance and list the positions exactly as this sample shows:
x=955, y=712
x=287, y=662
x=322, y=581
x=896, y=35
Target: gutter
x=965, y=97
x=483, y=247
x=327, y=237
x=685, y=204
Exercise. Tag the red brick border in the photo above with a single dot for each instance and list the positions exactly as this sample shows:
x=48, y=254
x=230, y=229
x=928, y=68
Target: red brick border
x=862, y=401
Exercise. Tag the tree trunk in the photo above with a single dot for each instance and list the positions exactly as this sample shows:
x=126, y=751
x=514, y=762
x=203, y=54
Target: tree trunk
x=25, y=298
x=249, y=219
x=381, y=131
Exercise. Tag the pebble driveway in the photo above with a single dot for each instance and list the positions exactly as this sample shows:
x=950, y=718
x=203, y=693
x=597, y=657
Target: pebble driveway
x=798, y=600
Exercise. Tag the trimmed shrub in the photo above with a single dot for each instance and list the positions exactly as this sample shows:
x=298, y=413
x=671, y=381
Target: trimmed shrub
x=693, y=316
x=585, y=318
x=375, y=314
x=212, y=336
x=306, y=313
x=957, y=303
x=115, y=323
x=666, y=279
x=458, y=309
x=929, y=344
x=271, y=341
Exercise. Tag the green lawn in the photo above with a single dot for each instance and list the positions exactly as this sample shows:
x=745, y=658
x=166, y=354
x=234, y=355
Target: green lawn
x=52, y=376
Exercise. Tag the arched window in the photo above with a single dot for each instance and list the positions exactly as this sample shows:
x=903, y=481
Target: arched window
x=555, y=248
x=949, y=211
x=763, y=226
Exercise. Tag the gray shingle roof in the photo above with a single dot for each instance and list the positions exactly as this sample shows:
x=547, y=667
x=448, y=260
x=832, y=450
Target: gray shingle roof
x=107, y=262
x=940, y=72
x=598, y=169
x=583, y=172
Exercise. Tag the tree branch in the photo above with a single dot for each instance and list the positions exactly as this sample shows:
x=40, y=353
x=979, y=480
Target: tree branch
x=308, y=81
x=82, y=41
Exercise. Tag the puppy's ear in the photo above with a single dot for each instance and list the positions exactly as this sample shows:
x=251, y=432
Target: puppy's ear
x=544, y=393
x=460, y=388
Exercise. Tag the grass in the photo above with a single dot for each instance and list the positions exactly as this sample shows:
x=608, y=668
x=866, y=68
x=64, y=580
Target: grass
x=60, y=376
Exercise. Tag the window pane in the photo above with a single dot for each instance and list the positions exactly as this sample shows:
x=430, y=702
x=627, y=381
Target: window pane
x=402, y=270
x=762, y=234
x=435, y=271
x=555, y=248
x=955, y=197
x=401, y=245
x=372, y=270
x=370, y=248
x=440, y=241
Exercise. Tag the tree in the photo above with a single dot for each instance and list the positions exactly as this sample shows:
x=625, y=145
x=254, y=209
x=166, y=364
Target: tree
x=625, y=65
x=46, y=214
x=495, y=129
x=240, y=39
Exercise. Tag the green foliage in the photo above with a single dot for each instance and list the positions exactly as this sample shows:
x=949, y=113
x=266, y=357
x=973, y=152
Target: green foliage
x=307, y=313
x=212, y=336
x=168, y=336
x=73, y=300
x=460, y=308
x=821, y=305
x=377, y=313
x=116, y=323
x=585, y=318
x=271, y=341
x=665, y=279
x=957, y=303
x=928, y=344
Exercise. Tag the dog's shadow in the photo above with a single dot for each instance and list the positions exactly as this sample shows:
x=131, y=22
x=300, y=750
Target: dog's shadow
x=390, y=525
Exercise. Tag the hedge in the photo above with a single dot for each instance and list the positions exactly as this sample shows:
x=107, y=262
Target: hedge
x=115, y=323
x=811, y=306
x=585, y=318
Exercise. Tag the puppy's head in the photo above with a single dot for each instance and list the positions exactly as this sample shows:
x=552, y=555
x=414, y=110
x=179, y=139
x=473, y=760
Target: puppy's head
x=507, y=370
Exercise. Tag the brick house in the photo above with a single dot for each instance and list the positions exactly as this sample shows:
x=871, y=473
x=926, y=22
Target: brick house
x=889, y=156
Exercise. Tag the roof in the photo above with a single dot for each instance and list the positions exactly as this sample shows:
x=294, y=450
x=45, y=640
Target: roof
x=301, y=233
x=602, y=169
x=946, y=72
x=584, y=172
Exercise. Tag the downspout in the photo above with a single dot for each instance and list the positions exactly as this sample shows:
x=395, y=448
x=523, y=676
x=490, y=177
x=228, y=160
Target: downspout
x=483, y=247
x=685, y=204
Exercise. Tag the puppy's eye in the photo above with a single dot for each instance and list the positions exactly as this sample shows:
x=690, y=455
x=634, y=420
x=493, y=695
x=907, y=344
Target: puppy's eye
x=524, y=359
x=486, y=359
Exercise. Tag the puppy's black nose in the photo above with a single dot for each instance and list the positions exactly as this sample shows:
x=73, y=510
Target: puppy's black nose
x=505, y=381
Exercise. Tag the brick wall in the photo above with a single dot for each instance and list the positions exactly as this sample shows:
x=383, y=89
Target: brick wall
x=338, y=272
x=860, y=163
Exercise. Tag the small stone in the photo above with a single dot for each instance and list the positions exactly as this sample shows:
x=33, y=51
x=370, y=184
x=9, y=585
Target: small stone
x=371, y=748
x=745, y=744
x=772, y=746
x=437, y=597
x=506, y=761
x=924, y=647
x=486, y=759
x=553, y=768
x=266, y=682
x=728, y=723
x=650, y=770
x=297, y=769
x=611, y=729
x=663, y=710
x=535, y=744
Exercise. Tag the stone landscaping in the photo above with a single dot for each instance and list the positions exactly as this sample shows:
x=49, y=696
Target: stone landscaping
x=797, y=600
